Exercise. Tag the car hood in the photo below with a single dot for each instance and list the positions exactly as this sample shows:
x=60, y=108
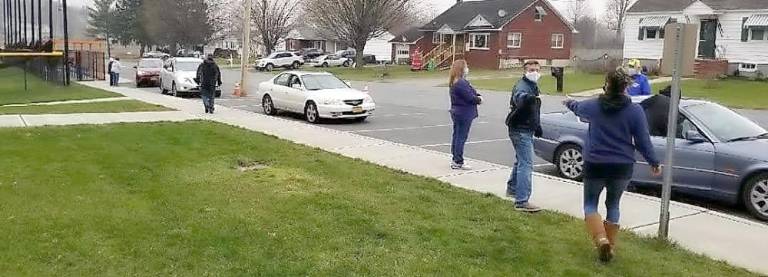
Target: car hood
x=343, y=94
x=751, y=149
x=185, y=74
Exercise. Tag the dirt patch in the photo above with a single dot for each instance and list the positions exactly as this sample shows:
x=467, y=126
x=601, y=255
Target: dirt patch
x=244, y=166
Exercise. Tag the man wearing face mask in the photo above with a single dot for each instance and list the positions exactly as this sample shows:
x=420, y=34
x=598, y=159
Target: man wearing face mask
x=640, y=85
x=523, y=124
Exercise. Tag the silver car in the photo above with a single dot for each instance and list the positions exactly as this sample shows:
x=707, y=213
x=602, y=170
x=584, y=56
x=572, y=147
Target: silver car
x=719, y=154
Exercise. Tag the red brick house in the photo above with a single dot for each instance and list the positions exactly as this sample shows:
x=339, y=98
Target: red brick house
x=404, y=44
x=497, y=34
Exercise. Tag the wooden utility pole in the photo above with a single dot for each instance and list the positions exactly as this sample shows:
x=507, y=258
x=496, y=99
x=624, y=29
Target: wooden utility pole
x=246, y=48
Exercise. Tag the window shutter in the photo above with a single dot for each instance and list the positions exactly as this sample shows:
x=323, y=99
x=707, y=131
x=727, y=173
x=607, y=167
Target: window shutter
x=641, y=34
x=744, y=31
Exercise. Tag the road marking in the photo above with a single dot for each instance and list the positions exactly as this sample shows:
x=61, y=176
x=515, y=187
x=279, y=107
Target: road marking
x=407, y=128
x=469, y=142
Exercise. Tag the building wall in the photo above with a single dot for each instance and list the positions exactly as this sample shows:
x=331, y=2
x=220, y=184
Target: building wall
x=380, y=47
x=651, y=49
x=536, y=36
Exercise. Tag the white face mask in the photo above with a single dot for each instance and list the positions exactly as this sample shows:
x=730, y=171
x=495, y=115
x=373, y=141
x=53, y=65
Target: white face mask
x=533, y=76
x=632, y=71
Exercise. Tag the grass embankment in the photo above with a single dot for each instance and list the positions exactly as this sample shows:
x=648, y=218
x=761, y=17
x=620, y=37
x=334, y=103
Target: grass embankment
x=12, y=89
x=736, y=93
x=95, y=107
x=169, y=199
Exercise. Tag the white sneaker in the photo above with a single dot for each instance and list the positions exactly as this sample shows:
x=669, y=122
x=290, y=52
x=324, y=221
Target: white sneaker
x=456, y=166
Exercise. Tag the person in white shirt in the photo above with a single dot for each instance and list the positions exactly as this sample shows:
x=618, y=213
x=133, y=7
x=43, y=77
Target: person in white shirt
x=116, y=66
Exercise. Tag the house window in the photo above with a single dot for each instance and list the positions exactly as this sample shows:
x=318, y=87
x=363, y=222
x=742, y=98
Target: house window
x=479, y=41
x=317, y=44
x=539, y=13
x=747, y=67
x=651, y=33
x=758, y=34
x=558, y=40
x=514, y=40
x=436, y=38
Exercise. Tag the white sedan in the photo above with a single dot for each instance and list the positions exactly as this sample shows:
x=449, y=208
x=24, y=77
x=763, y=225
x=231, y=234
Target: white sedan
x=328, y=61
x=317, y=95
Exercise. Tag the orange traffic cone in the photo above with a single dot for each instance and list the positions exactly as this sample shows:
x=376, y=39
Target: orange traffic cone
x=237, y=91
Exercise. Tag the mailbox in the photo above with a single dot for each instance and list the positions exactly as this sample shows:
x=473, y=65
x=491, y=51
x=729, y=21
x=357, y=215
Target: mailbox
x=559, y=74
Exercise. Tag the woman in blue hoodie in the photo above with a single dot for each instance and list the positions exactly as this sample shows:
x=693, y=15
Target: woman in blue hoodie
x=617, y=127
x=464, y=101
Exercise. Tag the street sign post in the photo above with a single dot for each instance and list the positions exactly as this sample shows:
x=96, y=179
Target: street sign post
x=681, y=44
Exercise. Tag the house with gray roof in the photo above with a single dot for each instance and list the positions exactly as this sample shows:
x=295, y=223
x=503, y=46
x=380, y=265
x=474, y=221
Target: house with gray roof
x=732, y=32
x=497, y=34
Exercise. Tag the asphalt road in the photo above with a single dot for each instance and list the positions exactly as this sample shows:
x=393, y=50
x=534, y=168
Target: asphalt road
x=415, y=112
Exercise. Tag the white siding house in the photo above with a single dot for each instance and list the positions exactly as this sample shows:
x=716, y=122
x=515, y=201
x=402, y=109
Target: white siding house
x=736, y=31
x=380, y=47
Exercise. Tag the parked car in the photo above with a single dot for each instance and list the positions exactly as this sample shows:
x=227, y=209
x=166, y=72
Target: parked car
x=156, y=55
x=328, y=61
x=719, y=154
x=178, y=77
x=148, y=71
x=351, y=54
x=311, y=53
x=317, y=95
x=280, y=59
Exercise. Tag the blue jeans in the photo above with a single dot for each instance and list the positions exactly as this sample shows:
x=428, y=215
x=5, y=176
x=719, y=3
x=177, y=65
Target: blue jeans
x=117, y=78
x=461, y=128
x=208, y=95
x=111, y=78
x=592, y=190
x=520, y=180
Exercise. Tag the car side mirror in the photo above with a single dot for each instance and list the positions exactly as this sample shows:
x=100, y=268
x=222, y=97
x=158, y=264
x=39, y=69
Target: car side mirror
x=694, y=136
x=296, y=86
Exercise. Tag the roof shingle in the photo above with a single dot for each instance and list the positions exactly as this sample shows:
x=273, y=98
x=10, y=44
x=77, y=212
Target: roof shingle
x=679, y=5
x=462, y=13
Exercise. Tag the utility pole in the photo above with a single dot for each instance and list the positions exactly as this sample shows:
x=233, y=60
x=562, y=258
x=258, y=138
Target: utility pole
x=66, y=43
x=50, y=20
x=246, y=48
x=39, y=20
x=674, y=103
x=32, y=15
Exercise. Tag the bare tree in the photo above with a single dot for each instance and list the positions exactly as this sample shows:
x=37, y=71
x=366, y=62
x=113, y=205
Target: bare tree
x=272, y=20
x=576, y=10
x=616, y=13
x=357, y=21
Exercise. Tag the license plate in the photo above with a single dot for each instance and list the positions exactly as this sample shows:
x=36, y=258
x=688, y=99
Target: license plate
x=357, y=109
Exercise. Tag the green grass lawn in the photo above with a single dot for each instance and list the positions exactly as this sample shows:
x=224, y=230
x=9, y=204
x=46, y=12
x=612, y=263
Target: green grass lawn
x=12, y=89
x=573, y=82
x=168, y=199
x=97, y=107
x=734, y=93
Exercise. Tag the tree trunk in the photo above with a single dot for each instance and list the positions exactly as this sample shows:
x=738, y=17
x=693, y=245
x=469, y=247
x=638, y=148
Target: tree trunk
x=359, y=48
x=142, y=50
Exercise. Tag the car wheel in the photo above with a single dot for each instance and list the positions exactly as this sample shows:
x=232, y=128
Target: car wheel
x=325, y=64
x=269, y=67
x=174, y=92
x=268, y=105
x=295, y=65
x=311, y=113
x=345, y=64
x=569, y=161
x=755, y=196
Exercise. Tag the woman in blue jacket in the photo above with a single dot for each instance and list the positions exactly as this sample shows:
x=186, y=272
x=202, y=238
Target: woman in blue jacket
x=617, y=127
x=464, y=101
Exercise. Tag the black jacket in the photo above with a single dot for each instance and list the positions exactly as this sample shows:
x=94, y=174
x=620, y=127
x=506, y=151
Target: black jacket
x=657, y=112
x=208, y=75
x=525, y=107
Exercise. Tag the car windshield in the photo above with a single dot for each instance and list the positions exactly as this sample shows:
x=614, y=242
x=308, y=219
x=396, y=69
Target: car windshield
x=150, y=63
x=724, y=123
x=187, y=66
x=318, y=82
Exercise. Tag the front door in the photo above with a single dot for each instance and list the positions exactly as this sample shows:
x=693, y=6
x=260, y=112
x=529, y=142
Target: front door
x=707, y=38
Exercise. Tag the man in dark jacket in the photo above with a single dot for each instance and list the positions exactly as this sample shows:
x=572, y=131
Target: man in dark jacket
x=523, y=123
x=109, y=71
x=208, y=77
x=657, y=112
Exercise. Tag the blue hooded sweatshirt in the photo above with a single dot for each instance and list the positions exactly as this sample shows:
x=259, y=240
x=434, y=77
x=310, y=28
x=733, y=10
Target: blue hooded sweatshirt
x=640, y=86
x=616, y=128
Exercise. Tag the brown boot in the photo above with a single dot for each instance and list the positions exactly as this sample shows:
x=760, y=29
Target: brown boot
x=612, y=232
x=597, y=230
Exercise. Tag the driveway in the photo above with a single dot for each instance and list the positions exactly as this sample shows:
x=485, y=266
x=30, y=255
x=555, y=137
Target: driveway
x=415, y=112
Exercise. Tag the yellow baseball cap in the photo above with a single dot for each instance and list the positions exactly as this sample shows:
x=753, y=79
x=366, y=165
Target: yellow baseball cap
x=635, y=63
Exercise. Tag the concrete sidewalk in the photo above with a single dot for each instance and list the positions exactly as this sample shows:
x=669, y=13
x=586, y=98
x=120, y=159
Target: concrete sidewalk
x=91, y=118
x=738, y=241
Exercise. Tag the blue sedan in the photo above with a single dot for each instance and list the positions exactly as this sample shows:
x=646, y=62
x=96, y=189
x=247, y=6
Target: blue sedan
x=719, y=154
